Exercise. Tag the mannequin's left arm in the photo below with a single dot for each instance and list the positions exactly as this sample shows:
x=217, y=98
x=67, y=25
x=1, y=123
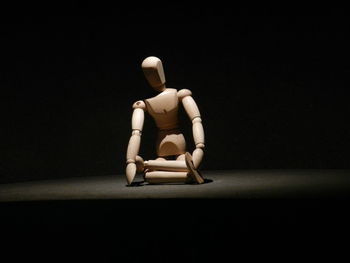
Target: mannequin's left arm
x=197, y=126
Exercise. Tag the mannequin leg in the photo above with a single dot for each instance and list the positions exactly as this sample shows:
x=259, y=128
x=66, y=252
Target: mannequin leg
x=181, y=157
x=161, y=177
x=180, y=170
x=168, y=165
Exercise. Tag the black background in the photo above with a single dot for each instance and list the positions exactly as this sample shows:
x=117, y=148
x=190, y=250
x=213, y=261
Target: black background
x=271, y=84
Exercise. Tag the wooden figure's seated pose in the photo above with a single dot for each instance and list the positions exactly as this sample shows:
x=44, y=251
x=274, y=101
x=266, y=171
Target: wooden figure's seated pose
x=174, y=164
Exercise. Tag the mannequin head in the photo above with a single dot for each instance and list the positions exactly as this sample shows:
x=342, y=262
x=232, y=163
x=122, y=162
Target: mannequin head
x=153, y=69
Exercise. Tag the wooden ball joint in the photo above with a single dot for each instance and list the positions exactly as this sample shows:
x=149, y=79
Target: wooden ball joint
x=174, y=164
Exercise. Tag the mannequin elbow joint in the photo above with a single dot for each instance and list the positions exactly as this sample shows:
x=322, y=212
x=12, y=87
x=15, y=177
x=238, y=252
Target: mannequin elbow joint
x=196, y=119
x=136, y=132
x=200, y=145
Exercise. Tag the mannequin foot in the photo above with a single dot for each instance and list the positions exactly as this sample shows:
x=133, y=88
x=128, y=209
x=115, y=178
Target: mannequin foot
x=139, y=164
x=194, y=173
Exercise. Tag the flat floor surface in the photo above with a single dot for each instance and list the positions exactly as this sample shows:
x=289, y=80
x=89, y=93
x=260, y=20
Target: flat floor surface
x=234, y=184
x=236, y=216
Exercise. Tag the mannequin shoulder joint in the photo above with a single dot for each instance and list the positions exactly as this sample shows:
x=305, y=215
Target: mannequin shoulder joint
x=139, y=105
x=183, y=93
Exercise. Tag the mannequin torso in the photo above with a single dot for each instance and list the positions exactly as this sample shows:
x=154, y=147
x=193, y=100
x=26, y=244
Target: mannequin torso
x=164, y=110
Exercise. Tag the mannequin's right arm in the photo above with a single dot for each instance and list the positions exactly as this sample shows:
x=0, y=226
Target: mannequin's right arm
x=135, y=140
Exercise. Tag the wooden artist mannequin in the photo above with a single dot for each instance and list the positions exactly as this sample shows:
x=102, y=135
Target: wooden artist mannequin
x=174, y=164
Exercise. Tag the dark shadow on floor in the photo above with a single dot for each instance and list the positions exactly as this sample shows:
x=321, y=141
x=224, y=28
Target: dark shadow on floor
x=143, y=183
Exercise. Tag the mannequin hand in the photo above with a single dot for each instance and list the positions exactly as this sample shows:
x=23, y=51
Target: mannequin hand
x=197, y=157
x=130, y=172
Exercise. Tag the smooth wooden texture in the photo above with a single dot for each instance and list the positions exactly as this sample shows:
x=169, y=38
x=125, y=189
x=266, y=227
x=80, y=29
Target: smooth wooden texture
x=139, y=164
x=137, y=119
x=197, y=157
x=130, y=172
x=181, y=157
x=164, y=110
x=183, y=93
x=191, y=107
x=193, y=172
x=161, y=177
x=153, y=70
x=170, y=143
x=194, y=114
x=171, y=165
x=139, y=104
x=197, y=131
x=133, y=146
